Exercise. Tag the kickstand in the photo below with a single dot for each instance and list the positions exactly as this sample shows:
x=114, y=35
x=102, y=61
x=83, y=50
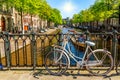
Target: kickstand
x=106, y=77
x=35, y=77
x=36, y=74
x=79, y=69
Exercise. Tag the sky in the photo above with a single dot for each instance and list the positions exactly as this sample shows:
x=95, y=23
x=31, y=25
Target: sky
x=70, y=7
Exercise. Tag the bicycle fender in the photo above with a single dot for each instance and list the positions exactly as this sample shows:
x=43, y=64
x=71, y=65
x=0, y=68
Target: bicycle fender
x=102, y=50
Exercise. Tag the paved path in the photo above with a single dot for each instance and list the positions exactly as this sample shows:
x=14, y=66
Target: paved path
x=43, y=75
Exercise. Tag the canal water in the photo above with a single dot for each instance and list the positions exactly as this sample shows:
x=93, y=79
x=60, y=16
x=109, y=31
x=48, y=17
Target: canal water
x=74, y=50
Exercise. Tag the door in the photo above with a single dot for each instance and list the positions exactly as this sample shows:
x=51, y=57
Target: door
x=3, y=23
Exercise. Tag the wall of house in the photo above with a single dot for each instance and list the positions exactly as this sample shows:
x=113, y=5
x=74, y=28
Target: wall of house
x=12, y=22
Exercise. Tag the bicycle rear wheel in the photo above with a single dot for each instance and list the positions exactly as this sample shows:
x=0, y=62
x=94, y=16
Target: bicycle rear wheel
x=56, y=62
x=99, y=62
x=118, y=68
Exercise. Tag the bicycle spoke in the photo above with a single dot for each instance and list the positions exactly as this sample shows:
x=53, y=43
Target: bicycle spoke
x=104, y=57
x=59, y=63
x=103, y=64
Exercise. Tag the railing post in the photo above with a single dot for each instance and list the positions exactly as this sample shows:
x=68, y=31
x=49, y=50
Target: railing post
x=60, y=35
x=33, y=46
x=7, y=48
x=114, y=48
x=87, y=35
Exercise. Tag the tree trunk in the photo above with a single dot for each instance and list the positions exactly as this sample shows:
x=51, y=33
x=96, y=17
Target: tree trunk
x=31, y=23
x=119, y=14
x=21, y=19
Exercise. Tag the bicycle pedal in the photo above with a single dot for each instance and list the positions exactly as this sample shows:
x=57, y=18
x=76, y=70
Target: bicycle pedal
x=71, y=71
x=84, y=68
x=78, y=72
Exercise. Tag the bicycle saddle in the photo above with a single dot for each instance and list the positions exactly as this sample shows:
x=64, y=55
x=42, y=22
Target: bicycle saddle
x=89, y=43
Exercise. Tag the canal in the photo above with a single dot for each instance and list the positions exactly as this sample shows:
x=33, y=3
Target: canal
x=74, y=49
x=102, y=40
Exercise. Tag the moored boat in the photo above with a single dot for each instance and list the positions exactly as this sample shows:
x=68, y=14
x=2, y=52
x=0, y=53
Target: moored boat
x=77, y=39
x=76, y=42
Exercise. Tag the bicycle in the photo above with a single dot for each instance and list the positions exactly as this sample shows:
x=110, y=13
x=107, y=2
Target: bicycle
x=97, y=62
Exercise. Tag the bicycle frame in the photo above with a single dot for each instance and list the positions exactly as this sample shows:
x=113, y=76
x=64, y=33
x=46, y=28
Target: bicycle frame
x=93, y=60
x=70, y=54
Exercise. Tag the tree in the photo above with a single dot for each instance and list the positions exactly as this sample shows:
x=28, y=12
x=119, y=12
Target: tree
x=101, y=10
x=34, y=7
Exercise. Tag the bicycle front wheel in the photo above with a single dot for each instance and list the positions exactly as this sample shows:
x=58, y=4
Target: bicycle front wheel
x=99, y=62
x=56, y=62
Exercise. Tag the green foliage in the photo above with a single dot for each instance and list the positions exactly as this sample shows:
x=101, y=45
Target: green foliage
x=55, y=16
x=101, y=10
x=35, y=7
x=6, y=3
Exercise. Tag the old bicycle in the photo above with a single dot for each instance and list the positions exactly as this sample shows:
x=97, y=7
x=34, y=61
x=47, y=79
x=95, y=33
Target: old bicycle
x=97, y=62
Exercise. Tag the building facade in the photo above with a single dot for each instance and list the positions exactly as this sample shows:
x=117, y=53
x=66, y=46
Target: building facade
x=11, y=20
x=5, y=19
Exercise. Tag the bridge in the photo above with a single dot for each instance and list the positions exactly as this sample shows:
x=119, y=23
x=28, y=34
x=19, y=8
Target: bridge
x=28, y=51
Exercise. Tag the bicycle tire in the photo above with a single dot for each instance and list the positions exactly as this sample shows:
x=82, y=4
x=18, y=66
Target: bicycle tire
x=59, y=67
x=105, y=64
x=118, y=68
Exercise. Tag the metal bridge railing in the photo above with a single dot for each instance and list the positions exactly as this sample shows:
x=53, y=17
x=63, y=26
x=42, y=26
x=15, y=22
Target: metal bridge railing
x=29, y=50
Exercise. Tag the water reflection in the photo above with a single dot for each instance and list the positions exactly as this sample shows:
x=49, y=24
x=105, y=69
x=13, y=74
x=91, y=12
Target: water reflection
x=74, y=50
